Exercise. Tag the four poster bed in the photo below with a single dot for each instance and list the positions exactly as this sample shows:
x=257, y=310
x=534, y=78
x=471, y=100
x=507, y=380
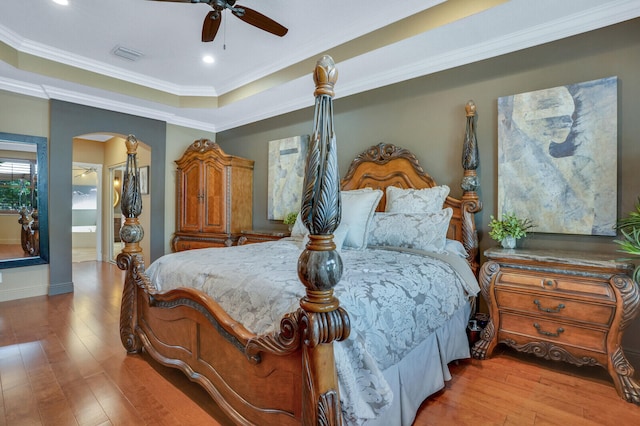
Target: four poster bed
x=395, y=288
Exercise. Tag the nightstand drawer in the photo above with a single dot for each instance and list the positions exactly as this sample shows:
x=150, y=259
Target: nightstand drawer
x=579, y=287
x=556, y=307
x=562, y=333
x=253, y=236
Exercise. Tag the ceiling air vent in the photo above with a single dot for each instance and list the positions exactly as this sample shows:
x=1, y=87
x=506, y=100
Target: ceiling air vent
x=126, y=53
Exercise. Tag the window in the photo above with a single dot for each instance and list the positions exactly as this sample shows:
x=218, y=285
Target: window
x=17, y=184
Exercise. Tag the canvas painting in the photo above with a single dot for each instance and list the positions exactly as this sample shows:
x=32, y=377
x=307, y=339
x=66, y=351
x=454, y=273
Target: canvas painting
x=287, y=159
x=557, y=157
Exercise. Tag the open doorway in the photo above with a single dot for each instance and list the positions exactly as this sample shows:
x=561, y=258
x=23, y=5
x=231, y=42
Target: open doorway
x=86, y=211
x=115, y=219
x=103, y=155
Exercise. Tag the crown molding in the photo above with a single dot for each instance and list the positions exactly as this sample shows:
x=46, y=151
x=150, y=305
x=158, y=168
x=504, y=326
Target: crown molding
x=43, y=51
x=28, y=89
x=500, y=43
x=381, y=67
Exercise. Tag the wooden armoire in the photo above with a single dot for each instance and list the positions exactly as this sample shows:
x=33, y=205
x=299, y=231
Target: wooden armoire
x=214, y=197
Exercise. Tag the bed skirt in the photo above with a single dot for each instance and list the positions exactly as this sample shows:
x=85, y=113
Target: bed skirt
x=424, y=370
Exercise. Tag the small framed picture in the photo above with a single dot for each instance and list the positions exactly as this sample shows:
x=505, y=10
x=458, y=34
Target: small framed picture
x=144, y=180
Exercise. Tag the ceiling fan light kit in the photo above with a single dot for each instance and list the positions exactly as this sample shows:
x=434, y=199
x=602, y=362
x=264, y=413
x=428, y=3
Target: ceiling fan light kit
x=212, y=20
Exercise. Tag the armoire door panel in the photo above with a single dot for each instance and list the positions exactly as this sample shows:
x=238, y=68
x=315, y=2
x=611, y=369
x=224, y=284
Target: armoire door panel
x=215, y=205
x=192, y=206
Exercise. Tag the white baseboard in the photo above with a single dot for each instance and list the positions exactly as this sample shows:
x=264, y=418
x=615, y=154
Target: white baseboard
x=22, y=292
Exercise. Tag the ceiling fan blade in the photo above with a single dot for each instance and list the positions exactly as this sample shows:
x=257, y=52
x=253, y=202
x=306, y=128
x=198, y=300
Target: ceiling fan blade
x=179, y=1
x=211, y=25
x=257, y=19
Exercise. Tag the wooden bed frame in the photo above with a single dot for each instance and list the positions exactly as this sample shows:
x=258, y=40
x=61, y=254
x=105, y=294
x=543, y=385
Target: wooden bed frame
x=288, y=377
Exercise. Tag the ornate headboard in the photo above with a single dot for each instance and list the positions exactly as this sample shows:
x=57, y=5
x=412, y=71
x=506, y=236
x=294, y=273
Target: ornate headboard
x=386, y=165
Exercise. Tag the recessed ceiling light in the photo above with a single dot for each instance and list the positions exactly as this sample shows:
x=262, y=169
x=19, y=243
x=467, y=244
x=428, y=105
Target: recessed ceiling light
x=62, y=2
x=208, y=59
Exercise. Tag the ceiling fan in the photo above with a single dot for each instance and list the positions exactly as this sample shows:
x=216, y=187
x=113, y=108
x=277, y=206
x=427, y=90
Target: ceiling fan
x=250, y=16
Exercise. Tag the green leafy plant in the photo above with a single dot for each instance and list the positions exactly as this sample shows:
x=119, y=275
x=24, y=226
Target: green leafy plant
x=290, y=219
x=629, y=227
x=509, y=225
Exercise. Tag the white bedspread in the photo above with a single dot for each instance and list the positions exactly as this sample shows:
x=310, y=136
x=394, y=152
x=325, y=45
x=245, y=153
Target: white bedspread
x=395, y=298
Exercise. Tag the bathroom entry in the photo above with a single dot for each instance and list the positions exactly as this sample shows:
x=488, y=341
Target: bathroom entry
x=86, y=210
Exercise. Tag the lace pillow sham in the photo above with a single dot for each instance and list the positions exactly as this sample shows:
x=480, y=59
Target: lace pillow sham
x=426, y=200
x=420, y=231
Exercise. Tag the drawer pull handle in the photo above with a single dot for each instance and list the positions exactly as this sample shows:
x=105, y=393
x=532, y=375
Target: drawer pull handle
x=548, y=283
x=550, y=310
x=548, y=333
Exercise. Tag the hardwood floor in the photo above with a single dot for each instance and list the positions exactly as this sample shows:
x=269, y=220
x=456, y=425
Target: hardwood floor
x=61, y=363
x=11, y=251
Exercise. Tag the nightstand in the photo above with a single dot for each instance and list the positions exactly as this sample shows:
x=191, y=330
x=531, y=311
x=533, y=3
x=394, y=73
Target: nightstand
x=260, y=236
x=563, y=306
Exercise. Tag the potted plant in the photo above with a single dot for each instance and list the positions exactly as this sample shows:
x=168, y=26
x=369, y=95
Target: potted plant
x=509, y=229
x=629, y=226
x=290, y=219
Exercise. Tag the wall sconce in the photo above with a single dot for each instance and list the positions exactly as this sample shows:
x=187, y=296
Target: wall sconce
x=116, y=181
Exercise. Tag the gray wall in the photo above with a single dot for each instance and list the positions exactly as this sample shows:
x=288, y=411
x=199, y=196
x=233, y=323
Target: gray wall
x=426, y=115
x=68, y=121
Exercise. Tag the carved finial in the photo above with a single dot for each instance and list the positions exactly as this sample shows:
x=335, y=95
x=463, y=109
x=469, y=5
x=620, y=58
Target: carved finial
x=132, y=144
x=470, y=107
x=325, y=76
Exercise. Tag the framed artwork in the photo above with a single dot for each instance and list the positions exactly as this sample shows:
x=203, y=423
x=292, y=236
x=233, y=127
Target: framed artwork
x=287, y=159
x=557, y=157
x=144, y=180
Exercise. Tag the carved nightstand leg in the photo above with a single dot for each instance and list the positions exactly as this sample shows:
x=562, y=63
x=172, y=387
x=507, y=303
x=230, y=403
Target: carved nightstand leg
x=484, y=347
x=622, y=374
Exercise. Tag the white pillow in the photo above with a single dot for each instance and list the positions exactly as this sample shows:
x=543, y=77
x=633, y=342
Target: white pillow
x=426, y=200
x=298, y=229
x=456, y=247
x=338, y=236
x=425, y=231
x=358, y=206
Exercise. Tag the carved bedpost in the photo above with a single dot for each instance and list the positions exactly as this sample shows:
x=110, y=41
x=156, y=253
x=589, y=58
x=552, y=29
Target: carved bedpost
x=130, y=259
x=30, y=233
x=470, y=201
x=322, y=320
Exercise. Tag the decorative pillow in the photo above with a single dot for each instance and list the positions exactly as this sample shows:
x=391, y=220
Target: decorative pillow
x=358, y=206
x=425, y=231
x=338, y=236
x=426, y=200
x=456, y=247
x=298, y=229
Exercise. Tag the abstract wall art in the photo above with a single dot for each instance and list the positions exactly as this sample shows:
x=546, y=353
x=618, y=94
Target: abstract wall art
x=286, y=175
x=557, y=157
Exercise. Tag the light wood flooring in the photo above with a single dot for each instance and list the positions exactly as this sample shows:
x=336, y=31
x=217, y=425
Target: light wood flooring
x=61, y=363
x=11, y=251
